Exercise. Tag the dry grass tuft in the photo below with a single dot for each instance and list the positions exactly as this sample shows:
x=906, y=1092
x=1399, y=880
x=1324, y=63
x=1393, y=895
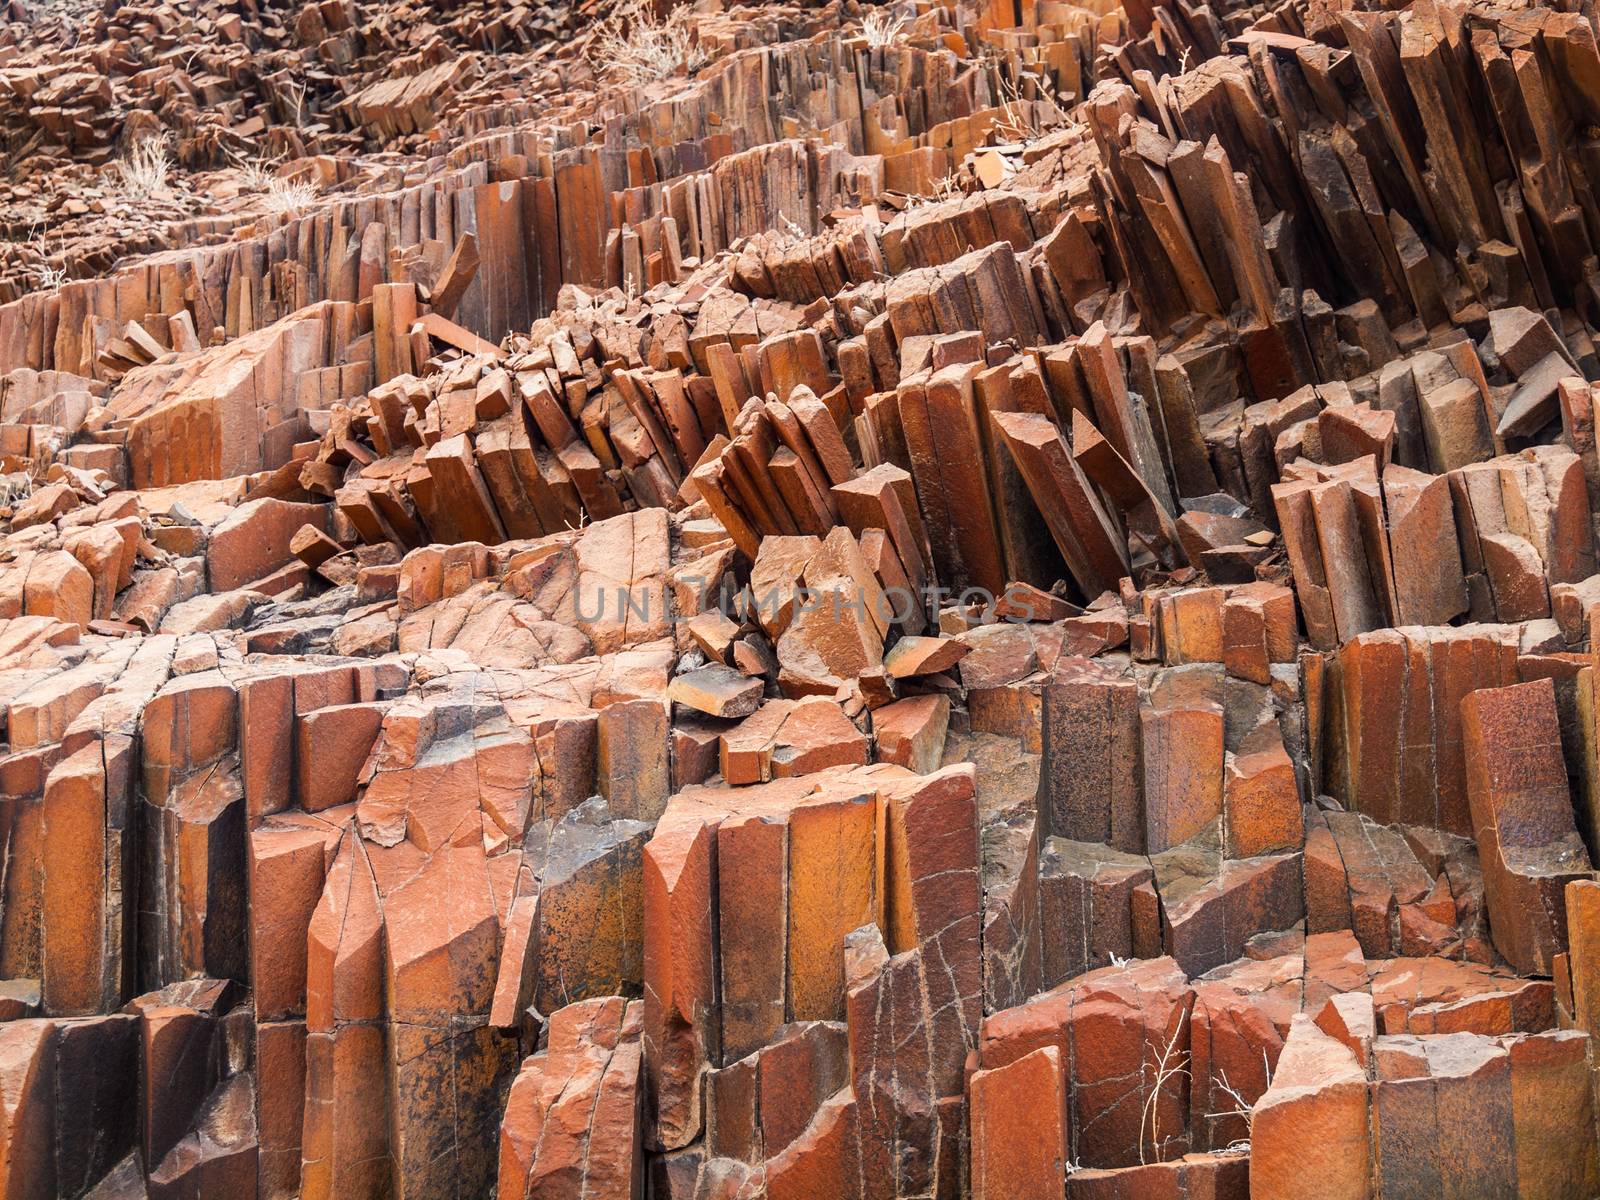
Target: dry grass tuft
x=1168, y=1067
x=48, y=277
x=1242, y=1107
x=146, y=169
x=637, y=47
x=256, y=174
x=882, y=28
x=279, y=195
x=291, y=196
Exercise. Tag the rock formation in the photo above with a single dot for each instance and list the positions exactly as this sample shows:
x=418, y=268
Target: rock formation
x=942, y=600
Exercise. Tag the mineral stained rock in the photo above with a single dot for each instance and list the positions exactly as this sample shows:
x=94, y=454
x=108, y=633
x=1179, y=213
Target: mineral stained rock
x=908, y=601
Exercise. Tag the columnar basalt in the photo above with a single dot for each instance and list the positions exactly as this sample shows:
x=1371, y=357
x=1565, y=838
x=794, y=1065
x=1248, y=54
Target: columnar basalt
x=927, y=601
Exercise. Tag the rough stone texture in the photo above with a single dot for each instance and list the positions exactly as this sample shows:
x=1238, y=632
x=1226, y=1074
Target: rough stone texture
x=1312, y=1123
x=764, y=603
x=1522, y=813
x=571, y=1123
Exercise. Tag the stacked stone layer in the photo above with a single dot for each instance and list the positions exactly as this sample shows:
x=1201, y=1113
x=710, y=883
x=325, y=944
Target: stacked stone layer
x=952, y=600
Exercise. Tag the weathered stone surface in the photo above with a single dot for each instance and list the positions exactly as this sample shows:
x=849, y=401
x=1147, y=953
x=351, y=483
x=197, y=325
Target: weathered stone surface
x=571, y=1124
x=1130, y=1017
x=1312, y=1123
x=911, y=732
x=1090, y=785
x=764, y=603
x=1522, y=814
x=1019, y=1128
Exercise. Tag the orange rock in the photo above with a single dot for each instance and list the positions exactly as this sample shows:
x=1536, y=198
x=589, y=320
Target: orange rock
x=1261, y=803
x=280, y=1071
x=911, y=732
x=825, y=1160
x=56, y=585
x=913, y=656
x=761, y=1104
x=1464, y=1141
x=45, y=504
x=1550, y=1095
x=1583, y=940
x=255, y=539
x=86, y=918
x=622, y=597
x=752, y=904
x=1350, y=1019
x=1522, y=812
x=1191, y=624
x=346, y=1132
x=838, y=625
x=1312, y=1123
x=1183, y=769
x=717, y=691
x=1220, y=1176
x=1090, y=783
x=775, y=580
x=632, y=767
x=1019, y=1129
x=104, y=553
x=27, y=1109
x=833, y=888
x=680, y=973
x=571, y=1118
x=784, y=739
x=287, y=863
x=815, y=736
x=1121, y=1020
x=331, y=747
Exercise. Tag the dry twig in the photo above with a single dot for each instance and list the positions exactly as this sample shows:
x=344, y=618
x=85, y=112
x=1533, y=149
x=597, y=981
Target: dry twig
x=1166, y=1069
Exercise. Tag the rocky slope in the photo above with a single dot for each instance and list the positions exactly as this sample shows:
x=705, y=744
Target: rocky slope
x=778, y=603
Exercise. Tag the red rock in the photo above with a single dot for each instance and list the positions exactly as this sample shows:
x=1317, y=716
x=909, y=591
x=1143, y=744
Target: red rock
x=1549, y=1083
x=911, y=732
x=1086, y=906
x=1224, y=1176
x=1183, y=770
x=1313, y=1121
x=785, y=739
x=56, y=585
x=717, y=691
x=1261, y=803
x=27, y=1109
x=997, y=655
x=255, y=540
x=824, y=1161
x=1583, y=960
x=370, y=695
x=331, y=747
x=913, y=656
x=1090, y=784
x=760, y=1105
x=1527, y=839
x=1461, y=1142
x=837, y=628
x=45, y=504
x=1126, y=1017
x=571, y=1118
x=1019, y=1128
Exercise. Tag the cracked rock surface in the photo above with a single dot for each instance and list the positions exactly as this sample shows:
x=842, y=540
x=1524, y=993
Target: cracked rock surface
x=932, y=601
